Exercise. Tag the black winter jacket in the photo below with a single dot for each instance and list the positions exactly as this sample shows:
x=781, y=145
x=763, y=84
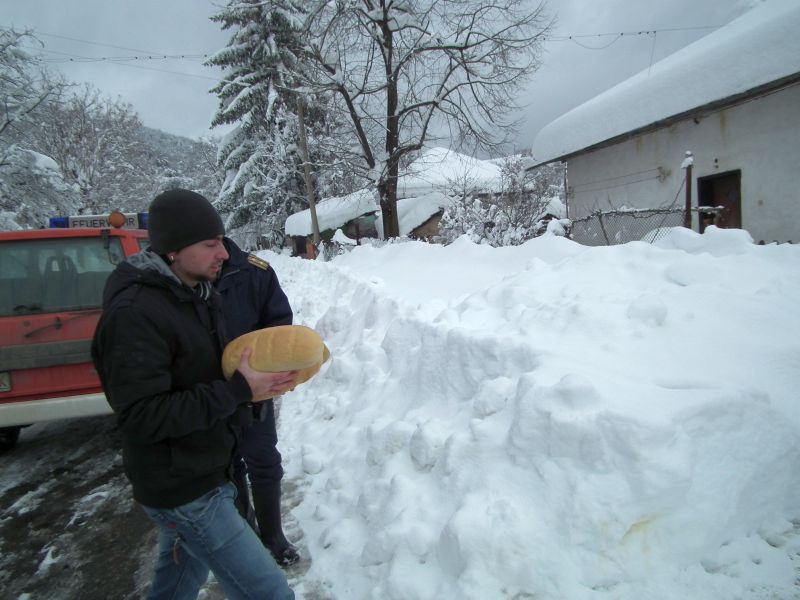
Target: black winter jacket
x=157, y=350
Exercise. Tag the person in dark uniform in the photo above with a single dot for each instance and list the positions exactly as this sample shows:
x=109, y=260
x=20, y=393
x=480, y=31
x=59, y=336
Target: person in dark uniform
x=253, y=299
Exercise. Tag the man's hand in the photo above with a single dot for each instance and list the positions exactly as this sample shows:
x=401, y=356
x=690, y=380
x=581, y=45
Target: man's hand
x=264, y=385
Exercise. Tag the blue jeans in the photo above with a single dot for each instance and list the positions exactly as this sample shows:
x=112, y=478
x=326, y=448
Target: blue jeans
x=208, y=533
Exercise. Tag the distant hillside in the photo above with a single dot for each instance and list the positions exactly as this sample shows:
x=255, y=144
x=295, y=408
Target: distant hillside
x=38, y=180
x=175, y=160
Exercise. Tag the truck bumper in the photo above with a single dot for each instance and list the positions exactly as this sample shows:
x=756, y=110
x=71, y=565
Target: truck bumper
x=49, y=409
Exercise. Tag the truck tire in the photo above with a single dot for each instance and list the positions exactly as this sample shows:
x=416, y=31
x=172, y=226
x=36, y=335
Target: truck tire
x=8, y=437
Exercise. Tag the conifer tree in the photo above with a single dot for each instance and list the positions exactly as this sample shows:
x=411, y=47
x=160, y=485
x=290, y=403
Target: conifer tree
x=262, y=167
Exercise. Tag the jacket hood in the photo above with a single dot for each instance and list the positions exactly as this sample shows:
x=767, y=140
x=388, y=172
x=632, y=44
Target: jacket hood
x=147, y=260
x=143, y=268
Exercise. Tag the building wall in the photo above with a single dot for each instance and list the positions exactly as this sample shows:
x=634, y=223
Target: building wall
x=760, y=137
x=429, y=230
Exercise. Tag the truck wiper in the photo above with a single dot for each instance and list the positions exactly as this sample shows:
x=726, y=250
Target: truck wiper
x=19, y=308
x=55, y=324
x=58, y=322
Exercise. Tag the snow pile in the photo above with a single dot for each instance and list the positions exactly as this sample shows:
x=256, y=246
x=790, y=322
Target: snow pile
x=550, y=420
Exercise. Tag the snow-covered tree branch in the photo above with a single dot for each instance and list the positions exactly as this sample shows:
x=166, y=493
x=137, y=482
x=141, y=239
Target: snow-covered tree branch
x=412, y=72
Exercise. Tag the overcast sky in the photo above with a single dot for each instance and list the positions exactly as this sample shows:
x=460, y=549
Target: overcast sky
x=172, y=95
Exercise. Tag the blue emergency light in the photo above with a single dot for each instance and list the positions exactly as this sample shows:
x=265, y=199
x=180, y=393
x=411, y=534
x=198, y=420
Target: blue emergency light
x=59, y=222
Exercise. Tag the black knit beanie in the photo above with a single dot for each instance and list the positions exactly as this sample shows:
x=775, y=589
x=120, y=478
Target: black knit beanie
x=178, y=218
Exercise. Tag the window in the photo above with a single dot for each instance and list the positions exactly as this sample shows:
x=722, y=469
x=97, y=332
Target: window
x=39, y=276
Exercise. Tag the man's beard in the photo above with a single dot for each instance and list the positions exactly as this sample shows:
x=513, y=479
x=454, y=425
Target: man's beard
x=206, y=276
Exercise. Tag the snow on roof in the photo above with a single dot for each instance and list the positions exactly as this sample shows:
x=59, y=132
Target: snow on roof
x=758, y=48
x=439, y=169
x=340, y=238
x=420, y=190
x=413, y=212
x=333, y=212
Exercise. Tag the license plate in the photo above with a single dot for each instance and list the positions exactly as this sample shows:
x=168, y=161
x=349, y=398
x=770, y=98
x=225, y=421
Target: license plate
x=5, y=382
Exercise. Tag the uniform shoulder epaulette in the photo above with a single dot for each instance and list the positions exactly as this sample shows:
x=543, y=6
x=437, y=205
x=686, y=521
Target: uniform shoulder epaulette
x=257, y=262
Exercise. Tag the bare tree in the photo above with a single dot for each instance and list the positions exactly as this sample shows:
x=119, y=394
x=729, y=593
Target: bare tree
x=94, y=141
x=465, y=214
x=30, y=184
x=24, y=87
x=412, y=71
x=516, y=211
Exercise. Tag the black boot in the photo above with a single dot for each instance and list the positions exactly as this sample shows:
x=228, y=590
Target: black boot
x=267, y=504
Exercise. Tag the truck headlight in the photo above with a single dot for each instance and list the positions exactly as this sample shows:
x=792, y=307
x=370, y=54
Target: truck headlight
x=5, y=381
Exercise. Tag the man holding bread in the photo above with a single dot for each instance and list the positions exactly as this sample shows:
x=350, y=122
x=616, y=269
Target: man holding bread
x=253, y=299
x=157, y=349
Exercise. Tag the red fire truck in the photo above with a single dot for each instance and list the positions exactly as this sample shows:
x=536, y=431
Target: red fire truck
x=51, y=289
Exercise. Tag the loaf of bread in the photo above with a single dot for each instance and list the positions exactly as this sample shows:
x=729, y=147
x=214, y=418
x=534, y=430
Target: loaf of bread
x=276, y=349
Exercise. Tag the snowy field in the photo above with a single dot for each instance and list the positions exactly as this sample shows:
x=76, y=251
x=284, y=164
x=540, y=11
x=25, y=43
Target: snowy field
x=550, y=421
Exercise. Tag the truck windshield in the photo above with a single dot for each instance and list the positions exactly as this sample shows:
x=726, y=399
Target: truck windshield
x=53, y=275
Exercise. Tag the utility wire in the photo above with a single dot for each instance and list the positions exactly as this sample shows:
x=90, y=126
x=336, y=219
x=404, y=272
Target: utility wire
x=626, y=175
x=148, y=56
x=88, y=59
x=613, y=40
x=70, y=57
x=73, y=39
x=563, y=38
x=125, y=62
x=652, y=53
x=619, y=185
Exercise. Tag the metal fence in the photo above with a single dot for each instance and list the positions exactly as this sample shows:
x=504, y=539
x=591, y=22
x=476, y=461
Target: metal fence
x=601, y=228
x=330, y=249
x=611, y=227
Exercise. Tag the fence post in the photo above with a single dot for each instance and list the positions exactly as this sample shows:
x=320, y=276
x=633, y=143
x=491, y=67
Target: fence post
x=603, y=228
x=687, y=165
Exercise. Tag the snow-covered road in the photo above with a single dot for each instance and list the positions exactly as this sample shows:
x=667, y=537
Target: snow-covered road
x=68, y=527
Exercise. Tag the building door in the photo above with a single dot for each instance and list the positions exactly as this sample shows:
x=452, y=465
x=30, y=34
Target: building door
x=721, y=190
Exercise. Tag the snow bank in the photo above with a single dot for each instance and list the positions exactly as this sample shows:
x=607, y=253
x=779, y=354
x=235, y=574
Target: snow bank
x=551, y=420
